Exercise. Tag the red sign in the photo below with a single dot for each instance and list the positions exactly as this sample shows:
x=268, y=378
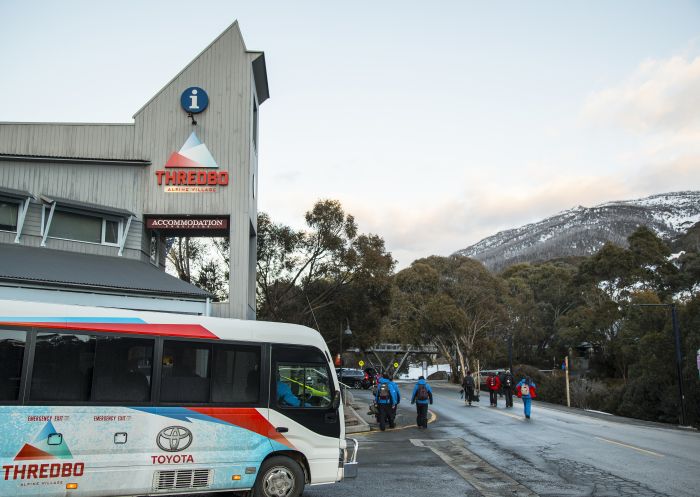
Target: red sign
x=187, y=223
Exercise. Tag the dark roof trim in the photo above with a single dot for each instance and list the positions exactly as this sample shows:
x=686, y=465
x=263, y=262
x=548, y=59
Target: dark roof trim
x=18, y=194
x=20, y=282
x=74, y=160
x=84, y=206
x=260, y=76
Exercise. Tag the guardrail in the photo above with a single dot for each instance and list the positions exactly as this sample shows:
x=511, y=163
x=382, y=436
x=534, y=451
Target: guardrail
x=344, y=392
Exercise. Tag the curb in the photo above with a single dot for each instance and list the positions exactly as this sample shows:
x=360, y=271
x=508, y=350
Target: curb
x=359, y=428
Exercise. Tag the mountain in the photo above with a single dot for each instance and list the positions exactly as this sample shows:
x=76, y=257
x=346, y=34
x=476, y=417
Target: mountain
x=583, y=230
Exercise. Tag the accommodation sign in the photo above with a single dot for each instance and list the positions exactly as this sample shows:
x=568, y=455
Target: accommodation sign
x=191, y=170
x=185, y=223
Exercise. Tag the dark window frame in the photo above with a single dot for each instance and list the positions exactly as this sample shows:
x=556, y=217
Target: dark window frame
x=18, y=203
x=29, y=357
x=25, y=363
x=263, y=397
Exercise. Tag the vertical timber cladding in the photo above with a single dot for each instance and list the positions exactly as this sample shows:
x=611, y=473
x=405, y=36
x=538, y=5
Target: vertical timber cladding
x=224, y=71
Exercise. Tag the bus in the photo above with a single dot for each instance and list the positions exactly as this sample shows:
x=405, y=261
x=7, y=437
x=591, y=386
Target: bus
x=108, y=402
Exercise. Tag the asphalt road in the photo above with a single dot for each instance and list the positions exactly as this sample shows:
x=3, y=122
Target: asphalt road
x=482, y=451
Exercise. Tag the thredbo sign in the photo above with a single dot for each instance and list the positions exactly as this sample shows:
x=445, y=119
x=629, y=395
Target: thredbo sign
x=191, y=170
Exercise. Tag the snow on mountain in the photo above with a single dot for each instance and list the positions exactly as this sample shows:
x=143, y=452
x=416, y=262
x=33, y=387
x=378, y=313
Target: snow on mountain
x=583, y=230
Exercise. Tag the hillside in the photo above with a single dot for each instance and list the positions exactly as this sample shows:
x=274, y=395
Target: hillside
x=583, y=230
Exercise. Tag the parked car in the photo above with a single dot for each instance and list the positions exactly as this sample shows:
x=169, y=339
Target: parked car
x=355, y=378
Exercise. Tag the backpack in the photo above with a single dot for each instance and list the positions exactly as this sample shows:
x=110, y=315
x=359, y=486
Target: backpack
x=524, y=389
x=422, y=393
x=384, y=393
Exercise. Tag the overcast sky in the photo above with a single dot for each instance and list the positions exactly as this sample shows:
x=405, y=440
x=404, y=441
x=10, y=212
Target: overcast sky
x=435, y=123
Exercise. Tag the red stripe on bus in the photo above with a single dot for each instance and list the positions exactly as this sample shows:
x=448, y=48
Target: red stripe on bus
x=170, y=330
x=247, y=418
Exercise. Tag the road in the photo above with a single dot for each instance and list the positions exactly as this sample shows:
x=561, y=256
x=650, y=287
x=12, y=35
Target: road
x=482, y=451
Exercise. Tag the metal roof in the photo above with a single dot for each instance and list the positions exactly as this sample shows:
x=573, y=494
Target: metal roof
x=23, y=265
x=12, y=193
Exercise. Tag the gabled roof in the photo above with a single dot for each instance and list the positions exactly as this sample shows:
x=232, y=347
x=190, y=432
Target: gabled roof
x=260, y=73
x=20, y=264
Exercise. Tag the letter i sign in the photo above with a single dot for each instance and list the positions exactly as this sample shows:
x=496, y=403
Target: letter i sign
x=194, y=100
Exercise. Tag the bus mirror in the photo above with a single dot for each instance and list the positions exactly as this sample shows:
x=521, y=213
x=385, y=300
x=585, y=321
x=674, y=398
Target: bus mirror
x=336, y=400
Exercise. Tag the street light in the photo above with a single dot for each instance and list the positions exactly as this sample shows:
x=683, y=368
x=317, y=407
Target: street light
x=679, y=358
x=347, y=332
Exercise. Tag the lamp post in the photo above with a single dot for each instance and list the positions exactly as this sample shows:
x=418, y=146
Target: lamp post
x=679, y=357
x=347, y=332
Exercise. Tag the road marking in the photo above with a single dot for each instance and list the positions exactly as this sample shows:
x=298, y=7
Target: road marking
x=645, y=451
x=485, y=478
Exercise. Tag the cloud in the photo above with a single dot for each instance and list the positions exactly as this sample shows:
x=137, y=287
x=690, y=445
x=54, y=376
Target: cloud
x=661, y=95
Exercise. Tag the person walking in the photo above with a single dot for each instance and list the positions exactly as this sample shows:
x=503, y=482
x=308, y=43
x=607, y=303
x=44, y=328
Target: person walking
x=386, y=400
x=397, y=395
x=422, y=396
x=468, y=387
x=508, y=387
x=494, y=385
x=525, y=389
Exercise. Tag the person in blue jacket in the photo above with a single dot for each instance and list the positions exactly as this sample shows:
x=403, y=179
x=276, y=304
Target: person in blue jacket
x=386, y=400
x=525, y=389
x=422, y=396
x=397, y=394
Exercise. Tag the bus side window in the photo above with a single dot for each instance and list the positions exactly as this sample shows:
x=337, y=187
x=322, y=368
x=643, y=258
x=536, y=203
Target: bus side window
x=236, y=374
x=185, y=372
x=123, y=368
x=12, y=344
x=63, y=367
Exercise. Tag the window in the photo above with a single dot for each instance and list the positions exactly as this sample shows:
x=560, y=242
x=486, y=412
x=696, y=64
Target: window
x=190, y=369
x=82, y=368
x=8, y=215
x=12, y=344
x=303, y=385
x=63, y=366
x=123, y=369
x=83, y=228
x=185, y=372
x=154, y=250
x=236, y=374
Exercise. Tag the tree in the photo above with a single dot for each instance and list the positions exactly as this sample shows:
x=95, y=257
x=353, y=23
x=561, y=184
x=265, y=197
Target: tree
x=325, y=275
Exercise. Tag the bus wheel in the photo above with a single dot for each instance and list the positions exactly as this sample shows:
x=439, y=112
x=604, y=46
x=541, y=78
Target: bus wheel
x=279, y=477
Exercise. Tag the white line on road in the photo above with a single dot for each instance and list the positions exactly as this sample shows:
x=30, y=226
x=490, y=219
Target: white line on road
x=645, y=451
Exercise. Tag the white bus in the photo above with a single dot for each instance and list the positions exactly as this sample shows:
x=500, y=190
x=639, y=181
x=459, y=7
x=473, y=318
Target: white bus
x=106, y=402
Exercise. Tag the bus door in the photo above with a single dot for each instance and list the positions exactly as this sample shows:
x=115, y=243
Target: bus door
x=301, y=408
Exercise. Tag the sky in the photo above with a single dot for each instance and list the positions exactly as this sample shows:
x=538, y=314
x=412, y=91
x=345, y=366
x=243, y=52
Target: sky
x=436, y=124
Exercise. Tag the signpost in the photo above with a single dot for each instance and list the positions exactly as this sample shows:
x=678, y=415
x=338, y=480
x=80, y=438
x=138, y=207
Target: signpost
x=361, y=363
x=396, y=365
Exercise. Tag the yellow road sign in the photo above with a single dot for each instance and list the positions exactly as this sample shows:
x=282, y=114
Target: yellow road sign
x=396, y=365
x=361, y=363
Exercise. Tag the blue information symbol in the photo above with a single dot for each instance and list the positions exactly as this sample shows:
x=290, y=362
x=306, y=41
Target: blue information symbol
x=194, y=100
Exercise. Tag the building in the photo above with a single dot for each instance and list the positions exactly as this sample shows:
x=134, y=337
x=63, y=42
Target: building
x=85, y=208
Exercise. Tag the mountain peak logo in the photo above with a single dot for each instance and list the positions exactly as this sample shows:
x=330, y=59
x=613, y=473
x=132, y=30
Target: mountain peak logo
x=193, y=153
x=195, y=156
x=48, y=444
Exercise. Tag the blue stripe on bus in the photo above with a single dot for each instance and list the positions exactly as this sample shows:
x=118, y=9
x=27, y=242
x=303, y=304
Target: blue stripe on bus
x=61, y=319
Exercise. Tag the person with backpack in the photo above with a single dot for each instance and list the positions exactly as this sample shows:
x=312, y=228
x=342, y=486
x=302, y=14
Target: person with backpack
x=422, y=396
x=468, y=386
x=493, y=383
x=508, y=387
x=525, y=389
x=386, y=400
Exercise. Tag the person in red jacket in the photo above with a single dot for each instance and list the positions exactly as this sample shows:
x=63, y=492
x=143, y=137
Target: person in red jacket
x=493, y=383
